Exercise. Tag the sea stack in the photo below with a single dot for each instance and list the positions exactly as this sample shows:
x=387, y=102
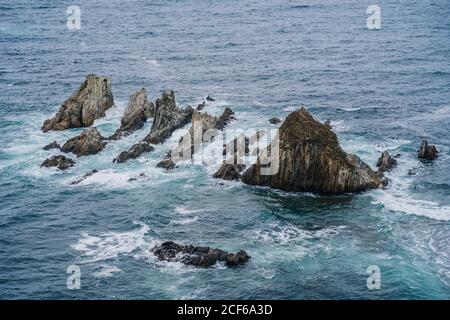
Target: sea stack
x=308, y=158
x=427, y=151
x=88, y=103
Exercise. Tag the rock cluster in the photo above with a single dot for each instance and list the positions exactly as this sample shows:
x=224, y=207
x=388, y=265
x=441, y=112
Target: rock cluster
x=90, y=141
x=427, y=151
x=308, y=158
x=88, y=103
x=59, y=161
x=139, y=109
x=198, y=256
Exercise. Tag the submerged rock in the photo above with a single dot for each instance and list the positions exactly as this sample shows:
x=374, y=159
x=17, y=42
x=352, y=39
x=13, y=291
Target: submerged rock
x=198, y=256
x=90, y=141
x=135, y=151
x=275, y=120
x=84, y=177
x=141, y=176
x=386, y=162
x=59, y=161
x=427, y=152
x=309, y=158
x=168, y=118
x=88, y=103
x=139, y=109
x=52, y=145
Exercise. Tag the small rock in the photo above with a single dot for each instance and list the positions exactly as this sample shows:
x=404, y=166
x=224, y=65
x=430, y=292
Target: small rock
x=53, y=145
x=275, y=120
x=84, y=177
x=90, y=141
x=225, y=119
x=139, y=177
x=209, y=98
x=167, y=164
x=59, y=161
x=198, y=256
x=201, y=106
x=135, y=151
x=386, y=162
x=427, y=152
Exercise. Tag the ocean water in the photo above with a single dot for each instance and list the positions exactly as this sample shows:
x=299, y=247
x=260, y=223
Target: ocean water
x=382, y=89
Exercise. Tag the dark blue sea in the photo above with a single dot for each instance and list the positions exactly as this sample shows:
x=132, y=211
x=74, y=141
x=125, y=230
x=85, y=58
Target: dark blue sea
x=382, y=89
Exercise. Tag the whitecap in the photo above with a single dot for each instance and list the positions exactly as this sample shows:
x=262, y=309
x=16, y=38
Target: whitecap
x=106, y=271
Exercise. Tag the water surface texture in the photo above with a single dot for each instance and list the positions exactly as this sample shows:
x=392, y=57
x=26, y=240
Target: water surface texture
x=382, y=89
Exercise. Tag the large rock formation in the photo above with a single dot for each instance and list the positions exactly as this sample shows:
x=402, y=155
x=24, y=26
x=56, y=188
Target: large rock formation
x=168, y=118
x=386, y=162
x=90, y=102
x=139, y=109
x=90, y=141
x=198, y=256
x=308, y=158
x=59, y=161
x=135, y=151
x=427, y=152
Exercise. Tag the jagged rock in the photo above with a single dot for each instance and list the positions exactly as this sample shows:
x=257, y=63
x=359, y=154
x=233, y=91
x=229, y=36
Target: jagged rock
x=59, y=161
x=201, y=106
x=310, y=159
x=84, y=177
x=229, y=171
x=328, y=124
x=225, y=119
x=52, y=145
x=198, y=256
x=209, y=98
x=168, y=118
x=167, y=164
x=90, y=141
x=90, y=102
x=427, y=152
x=135, y=151
x=139, y=109
x=386, y=162
x=275, y=120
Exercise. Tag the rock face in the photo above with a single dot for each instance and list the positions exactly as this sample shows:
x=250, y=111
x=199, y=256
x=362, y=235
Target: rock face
x=275, y=120
x=59, y=161
x=87, y=143
x=198, y=256
x=135, y=151
x=386, y=162
x=90, y=102
x=139, y=109
x=427, y=152
x=229, y=171
x=52, y=145
x=310, y=159
x=168, y=118
x=84, y=177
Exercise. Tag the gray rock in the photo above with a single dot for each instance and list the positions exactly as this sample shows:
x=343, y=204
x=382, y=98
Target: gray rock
x=139, y=109
x=88, y=103
x=52, y=145
x=168, y=118
x=386, y=162
x=135, y=151
x=427, y=152
x=198, y=256
x=59, y=161
x=310, y=159
x=89, y=142
x=209, y=98
x=229, y=171
x=275, y=120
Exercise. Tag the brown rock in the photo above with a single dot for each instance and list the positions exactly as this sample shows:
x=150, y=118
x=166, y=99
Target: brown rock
x=427, y=152
x=52, y=145
x=59, y=161
x=386, y=162
x=90, y=141
x=135, y=151
x=90, y=102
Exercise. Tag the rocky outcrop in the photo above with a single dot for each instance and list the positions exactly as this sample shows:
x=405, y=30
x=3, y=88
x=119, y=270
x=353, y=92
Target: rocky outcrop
x=427, y=151
x=229, y=171
x=167, y=164
x=308, y=158
x=84, y=177
x=226, y=117
x=198, y=256
x=386, y=162
x=59, y=161
x=52, y=145
x=135, y=151
x=89, y=142
x=275, y=120
x=139, y=109
x=168, y=118
x=88, y=103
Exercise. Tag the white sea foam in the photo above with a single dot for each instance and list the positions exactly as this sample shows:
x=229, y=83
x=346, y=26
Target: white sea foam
x=106, y=271
x=184, y=221
x=349, y=109
x=184, y=210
